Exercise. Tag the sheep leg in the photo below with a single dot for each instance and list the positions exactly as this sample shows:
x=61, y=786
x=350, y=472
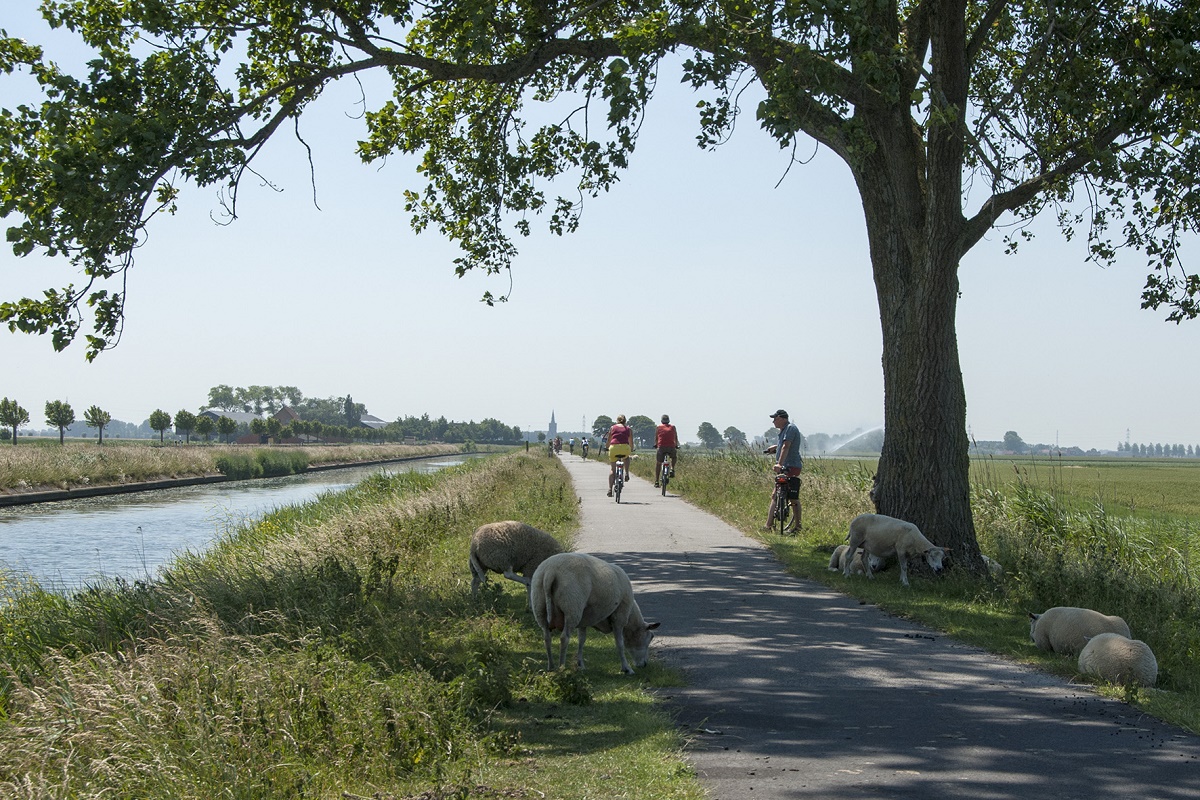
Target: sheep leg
x=903, y=559
x=851, y=549
x=866, y=562
x=549, y=650
x=579, y=655
x=512, y=576
x=476, y=578
x=619, y=636
x=563, y=642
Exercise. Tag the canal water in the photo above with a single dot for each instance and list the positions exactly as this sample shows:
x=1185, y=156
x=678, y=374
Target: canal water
x=70, y=544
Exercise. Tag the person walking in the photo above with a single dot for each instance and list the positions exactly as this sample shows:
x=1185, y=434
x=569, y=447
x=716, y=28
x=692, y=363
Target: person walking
x=666, y=440
x=789, y=461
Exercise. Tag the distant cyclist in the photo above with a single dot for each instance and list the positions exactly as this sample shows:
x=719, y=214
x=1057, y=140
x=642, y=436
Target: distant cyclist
x=571, y=445
x=584, y=444
x=620, y=447
x=666, y=440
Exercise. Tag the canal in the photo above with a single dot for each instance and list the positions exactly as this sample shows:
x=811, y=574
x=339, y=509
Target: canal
x=69, y=544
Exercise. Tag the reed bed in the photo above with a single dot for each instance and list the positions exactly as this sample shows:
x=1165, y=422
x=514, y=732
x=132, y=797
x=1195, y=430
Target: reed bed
x=330, y=650
x=27, y=468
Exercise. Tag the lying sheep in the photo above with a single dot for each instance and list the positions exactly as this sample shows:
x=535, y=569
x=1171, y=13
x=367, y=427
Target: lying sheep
x=1119, y=659
x=576, y=591
x=884, y=536
x=509, y=548
x=1065, y=629
x=837, y=561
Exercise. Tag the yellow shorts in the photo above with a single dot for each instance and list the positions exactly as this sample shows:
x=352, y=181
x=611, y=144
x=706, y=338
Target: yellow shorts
x=616, y=451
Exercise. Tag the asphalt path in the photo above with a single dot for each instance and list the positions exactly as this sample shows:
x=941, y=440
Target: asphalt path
x=797, y=691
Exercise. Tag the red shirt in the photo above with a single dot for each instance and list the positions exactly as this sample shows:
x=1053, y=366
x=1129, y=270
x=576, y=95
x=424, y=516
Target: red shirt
x=665, y=436
x=620, y=434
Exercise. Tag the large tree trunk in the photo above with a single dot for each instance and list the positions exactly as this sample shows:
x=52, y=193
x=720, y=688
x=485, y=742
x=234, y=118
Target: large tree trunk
x=924, y=468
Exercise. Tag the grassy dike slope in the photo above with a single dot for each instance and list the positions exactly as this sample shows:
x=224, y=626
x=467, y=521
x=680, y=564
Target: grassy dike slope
x=329, y=651
x=43, y=464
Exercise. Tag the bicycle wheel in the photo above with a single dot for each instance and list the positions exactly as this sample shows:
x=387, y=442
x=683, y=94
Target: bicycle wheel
x=779, y=509
x=617, y=484
x=664, y=476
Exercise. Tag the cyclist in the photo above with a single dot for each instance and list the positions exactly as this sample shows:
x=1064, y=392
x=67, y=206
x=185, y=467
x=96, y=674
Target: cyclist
x=620, y=447
x=584, y=443
x=666, y=440
x=788, y=460
x=571, y=445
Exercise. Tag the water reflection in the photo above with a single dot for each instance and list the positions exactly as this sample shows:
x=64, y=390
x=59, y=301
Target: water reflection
x=66, y=545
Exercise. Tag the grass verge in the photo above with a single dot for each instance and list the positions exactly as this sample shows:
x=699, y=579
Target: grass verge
x=330, y=650
x=1055, y=551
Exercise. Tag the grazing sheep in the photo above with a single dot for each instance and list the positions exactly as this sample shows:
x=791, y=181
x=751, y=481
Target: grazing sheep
x=837, y=561
x=576, y=591
x=1065, y=629
x=885, y=536
x=509, y=548
x=1119, y=659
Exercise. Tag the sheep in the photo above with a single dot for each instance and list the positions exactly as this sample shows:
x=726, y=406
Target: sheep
x=578, y=591
x=993, y=567
x=1065, y=629
x=837, y=561
x=509, y=548
x=886, y=536
x=1119, y=659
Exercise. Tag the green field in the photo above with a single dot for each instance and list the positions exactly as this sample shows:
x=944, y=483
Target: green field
x=1161, y=488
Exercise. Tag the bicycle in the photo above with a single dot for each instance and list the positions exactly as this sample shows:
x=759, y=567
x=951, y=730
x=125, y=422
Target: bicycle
x=619, y=480
x=664, y=474
x=780, y=507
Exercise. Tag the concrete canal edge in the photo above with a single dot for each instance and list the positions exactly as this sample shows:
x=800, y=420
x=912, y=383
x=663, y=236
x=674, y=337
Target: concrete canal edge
x=29, y=498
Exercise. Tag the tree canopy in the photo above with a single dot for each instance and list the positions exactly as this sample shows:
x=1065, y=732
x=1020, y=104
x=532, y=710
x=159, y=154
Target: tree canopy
x=59, y=414
x=709, y=436
x=97, y=418
x=951, y=117
x=13, y=416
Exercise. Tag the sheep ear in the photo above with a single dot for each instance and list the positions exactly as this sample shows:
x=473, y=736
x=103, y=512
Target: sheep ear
x=1033, y=615
x=653, y=625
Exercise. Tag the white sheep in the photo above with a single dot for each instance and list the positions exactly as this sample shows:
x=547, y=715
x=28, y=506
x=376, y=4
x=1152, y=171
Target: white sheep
x=1065, y=629
x=1119, y=659
x=837, y=561
x=993, y=567
x=577, y=591
x=509, y=548
x=884, y=536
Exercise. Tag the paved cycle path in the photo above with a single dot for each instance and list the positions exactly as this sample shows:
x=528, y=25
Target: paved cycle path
x=797, y=691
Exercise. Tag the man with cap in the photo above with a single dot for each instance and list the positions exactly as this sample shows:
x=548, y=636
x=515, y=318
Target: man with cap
x=788, y=460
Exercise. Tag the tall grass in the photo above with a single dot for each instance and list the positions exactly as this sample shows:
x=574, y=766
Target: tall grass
x=262, y=463
x=1055, y=550
x=27, y=468
x=330, y=650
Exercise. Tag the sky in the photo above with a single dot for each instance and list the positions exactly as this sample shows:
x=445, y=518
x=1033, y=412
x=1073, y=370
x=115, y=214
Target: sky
x=713, y=286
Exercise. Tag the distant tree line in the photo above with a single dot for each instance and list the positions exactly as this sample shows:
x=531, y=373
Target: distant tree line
x=1159, y=450
x=337, y=419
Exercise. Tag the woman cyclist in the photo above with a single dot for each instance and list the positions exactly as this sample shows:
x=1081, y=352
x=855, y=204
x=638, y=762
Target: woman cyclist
x=620, y=447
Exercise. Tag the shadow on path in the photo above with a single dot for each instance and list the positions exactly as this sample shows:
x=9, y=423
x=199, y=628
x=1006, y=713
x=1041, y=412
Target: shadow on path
x=797, y=691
